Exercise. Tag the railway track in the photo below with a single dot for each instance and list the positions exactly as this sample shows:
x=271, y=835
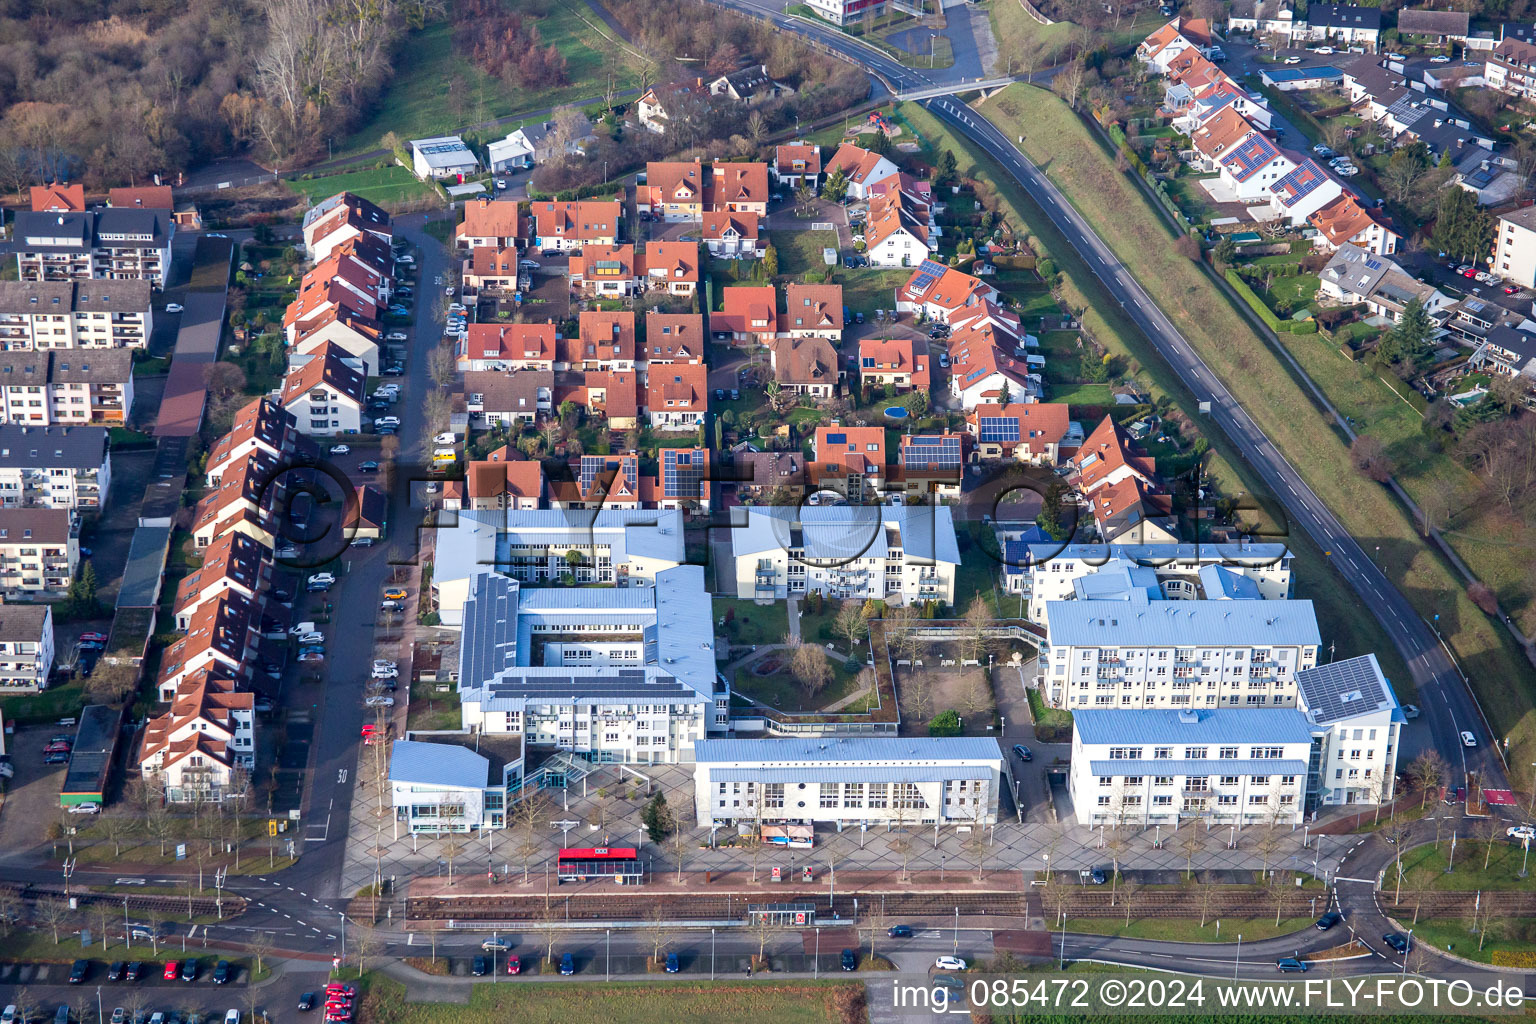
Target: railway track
x=150, y=903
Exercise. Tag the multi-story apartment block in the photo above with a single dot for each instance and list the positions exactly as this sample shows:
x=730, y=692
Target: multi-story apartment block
x=861, y=782
x=1356, y=722
x=195, y=750
x=74, y=314
x=627, y=547
x=1134, y=650
x=611, y=674
x=115, y=243
x=1043, y=573
x=66, y=387
x=340, y=219
x=1514, y=247
x=325, y=395
x=26, y=647
x=1235, y=766
x=896, y=553
x=39, y=549
x=53, y=467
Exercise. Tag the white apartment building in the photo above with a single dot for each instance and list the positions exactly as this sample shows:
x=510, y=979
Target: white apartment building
x=445, y=787
x=111, y=243
x=41, y=388
x=53, y=467
x=26, y=647
x=1514, y=251
x=848, y=782
x=623, y=547
x=608, y=674
x=1051, y=572
x=1356, y=722
x=1136, y=652
x=39, y=549
x=1236, y=766
x=325, y=395
x=900, y=553
x=74, y=314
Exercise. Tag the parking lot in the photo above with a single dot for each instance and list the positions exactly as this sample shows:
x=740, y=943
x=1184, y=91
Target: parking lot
x=37, y=990
x=32, y=795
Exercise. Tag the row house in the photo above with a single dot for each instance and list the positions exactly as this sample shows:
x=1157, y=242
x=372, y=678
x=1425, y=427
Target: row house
x=849, y=461
x=566, y=226
x=117, y=244
x=623, y=271
x=511, y=399
x=1028, y=432
x=1179, y=36
x=983, y=370
x=221, y=636
x=74, y=314
x=1511, y=68
x=931, y=467
x=673, y=338
x=1356, y=276
x=505, y=483
x=66, y=387
x=325, y=395
x=26, y=647
x=1119, y=482
x=618, y=395
x=203, y=747
x=260, y=426
x=358, y=337
x=682, y=479
x=508, y=347
x=492, y=269
x=39, y=551
x=493, y=223
x=1303, y=192
x=233, y=563
x=250, y=484
x=600, y=482
x=739, y=188
x=606, y=341
x=677, y=396
x=683, y=191
x=339, y=219
x=54, y=467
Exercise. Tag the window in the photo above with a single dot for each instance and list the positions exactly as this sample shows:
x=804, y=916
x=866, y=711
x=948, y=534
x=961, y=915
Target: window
x=1162, y=753
x=1228, y=753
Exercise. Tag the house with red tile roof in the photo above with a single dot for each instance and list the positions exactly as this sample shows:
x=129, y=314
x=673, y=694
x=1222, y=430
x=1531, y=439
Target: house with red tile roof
x=508, y=347
x=599, y=482
x=1345, y=220
x=250, y=483
x=221, y=635
x=261, y=425
x=796, y=164
x=516, y=485
x=813, y=311
x=901, y=363
x=861, y=167
x=673, y=338
x=325, y=395
x=941, y=293
x=899, y=231
x=142, y=197
x=194, y=752
x=849, y=460
x=606, y=271
x=606, y=341
x=739, y=187
x=677, y=395
x=234, y=562
x=748, y=313
x=682, y=479
x=982, y=371
x=355, y=335
x=497, y=223
x=491, y=268
x=727, y=233
x=616, y=394
x=673, y=191
x=1120, y=483
x=1178, y=37
x=672, y=267
x=1029, y=432
x=571, y=225
x=58, y=198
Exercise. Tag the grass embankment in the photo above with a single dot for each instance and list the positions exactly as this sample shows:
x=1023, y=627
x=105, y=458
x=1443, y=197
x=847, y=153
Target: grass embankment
x=1337, y=606
x=1278, y=403
x=435, y=91
x=392, y=184
x=801, y=1002
x=1504, y=942
x=1424, y=867
x=1165, y=929
x=1032, y=46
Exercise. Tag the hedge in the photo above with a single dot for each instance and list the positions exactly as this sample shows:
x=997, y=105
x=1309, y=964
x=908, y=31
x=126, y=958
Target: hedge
x=1266, y=314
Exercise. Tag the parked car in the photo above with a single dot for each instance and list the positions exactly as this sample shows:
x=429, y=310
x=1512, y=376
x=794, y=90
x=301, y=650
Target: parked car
x=1293, y=60
x=368, y=467
x=1524, y=833
x=78, y=970
x=312, y=638
x=1439, y=58
x=87, y=808
x=172, y=968
x=1023, y=752
x=340, y=449
x=394, y=370
x=395, y=594
x=114, y=973
x=850, y=960
x=189, y=970
x=514, y=965
x=480, y=967
x=407, y=259
x=949, y=963
x=135, y=970
x=567, y=963
x=379, y=702
x=673, y=963
x=221, y=972
x=173, y=307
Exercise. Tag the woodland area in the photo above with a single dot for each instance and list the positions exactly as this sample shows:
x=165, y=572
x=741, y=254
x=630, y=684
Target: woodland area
x=156, y=86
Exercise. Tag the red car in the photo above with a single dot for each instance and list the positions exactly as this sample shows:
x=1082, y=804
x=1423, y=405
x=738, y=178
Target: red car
x=99, y=638
x=1469, y=272
x=172, y=969
x=337, y=986
x=514, y=965
x=1511, y=289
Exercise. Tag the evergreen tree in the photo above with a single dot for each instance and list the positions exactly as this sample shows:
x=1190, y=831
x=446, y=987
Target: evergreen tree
x=944, y=168
x=1406, y=345
x=770, y=261
x=655, y=818
x=1051, y=518
x=835, y=187
x=1226, y=250
x=880, y=143
x=1462, y=227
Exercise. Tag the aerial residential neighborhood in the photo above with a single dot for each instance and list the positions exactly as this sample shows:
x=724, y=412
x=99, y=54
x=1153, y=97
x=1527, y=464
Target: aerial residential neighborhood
x=711, y=510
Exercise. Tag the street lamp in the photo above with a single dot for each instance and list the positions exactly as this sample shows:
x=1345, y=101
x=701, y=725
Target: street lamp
x=957, y=931
x=343, y=938
x=607, y=954
x=1238, y=959
x=711, y=954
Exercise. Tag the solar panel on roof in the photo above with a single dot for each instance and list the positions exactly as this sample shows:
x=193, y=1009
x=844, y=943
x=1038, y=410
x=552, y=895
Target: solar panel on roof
x=680, y=474
x=1373, y=264
x=933, y=452
x=999, y=429
x=927, y=272
x=837, y=439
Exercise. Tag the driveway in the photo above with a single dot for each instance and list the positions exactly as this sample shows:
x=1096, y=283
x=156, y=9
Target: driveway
x=32, y=795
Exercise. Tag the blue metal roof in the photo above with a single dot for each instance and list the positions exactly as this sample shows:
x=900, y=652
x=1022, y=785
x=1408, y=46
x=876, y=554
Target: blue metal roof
x=1207, y=725
x=1221, y=582
x=900, y=750
x=438, y=764
x=1181, y=623
x=1241, y=553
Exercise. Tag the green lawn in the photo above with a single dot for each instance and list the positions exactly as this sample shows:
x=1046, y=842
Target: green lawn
x=1277, y=402
x=800, y=251
x=1023, y=39
x=1289, y=294
x=658, y=1002
x=1505, y=940
x=750, y=622
x=1424, y=867
x=782, y=690
x=50, y=705
x=436, y=92
x=1082, y=394
x=392, y=184
x=1185, y=930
